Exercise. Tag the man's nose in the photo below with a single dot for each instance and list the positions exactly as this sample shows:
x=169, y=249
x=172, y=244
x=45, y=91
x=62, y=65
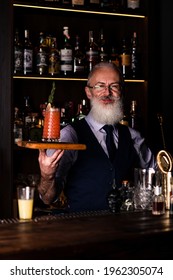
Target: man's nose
x=108, y=90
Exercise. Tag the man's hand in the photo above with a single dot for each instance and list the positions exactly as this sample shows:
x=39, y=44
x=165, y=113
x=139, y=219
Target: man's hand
x=49, y=164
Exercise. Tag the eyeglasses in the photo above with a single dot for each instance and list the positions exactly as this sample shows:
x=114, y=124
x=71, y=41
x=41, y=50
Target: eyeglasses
x=113, y=88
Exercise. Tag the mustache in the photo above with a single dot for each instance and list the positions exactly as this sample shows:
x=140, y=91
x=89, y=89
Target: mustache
x=108, y=97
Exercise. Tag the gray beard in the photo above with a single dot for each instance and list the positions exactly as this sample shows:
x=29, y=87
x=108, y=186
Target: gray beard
x=108, y=113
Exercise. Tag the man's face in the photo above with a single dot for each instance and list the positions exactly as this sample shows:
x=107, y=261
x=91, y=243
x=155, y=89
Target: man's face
x=104, y=86
x=104, y=92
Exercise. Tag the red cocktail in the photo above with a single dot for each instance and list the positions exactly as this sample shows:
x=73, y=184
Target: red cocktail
x=51, y=127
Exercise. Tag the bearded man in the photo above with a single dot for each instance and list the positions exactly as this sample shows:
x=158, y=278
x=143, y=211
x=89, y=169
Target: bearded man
x=86, y=177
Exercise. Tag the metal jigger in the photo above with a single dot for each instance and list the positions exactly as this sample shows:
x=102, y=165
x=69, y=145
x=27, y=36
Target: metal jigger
x=164, y=161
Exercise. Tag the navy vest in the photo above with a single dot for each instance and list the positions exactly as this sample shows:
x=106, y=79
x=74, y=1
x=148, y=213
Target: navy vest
x=91, y=177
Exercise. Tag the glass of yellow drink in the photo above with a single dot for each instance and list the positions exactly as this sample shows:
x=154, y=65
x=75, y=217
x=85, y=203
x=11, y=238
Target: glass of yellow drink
x=25, y=197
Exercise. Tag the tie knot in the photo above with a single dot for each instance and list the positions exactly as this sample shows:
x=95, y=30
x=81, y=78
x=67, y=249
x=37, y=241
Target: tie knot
x=108, y=128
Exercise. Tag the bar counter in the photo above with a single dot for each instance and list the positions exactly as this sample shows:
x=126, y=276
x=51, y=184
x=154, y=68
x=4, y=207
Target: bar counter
x=84, y=236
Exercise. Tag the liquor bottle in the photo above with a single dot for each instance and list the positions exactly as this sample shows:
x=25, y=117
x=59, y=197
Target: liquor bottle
x=18, y=54
x=134, y=57
x=102, y=47
x=64, y=119
x=66, y=54
x=66, y=2
x=18, y=125
x=134, y=119
x=125, y=60
x=125, y=120
x=78, y=3
x=36, y=128
x=133, y=4
x=82, y=110
x=107, y=4
x=79, y=58
x=114, y=56
x=92, y=54
x=27, y=54
x=114, y=199
x=42, y=56
x=26, y=117
x=158, y=202
x=54, y=59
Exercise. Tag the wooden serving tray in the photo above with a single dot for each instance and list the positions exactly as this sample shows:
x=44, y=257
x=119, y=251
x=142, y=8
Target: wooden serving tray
x=46, y=145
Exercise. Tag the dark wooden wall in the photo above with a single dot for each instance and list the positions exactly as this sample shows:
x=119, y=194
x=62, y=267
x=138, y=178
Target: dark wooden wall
x=5, y=108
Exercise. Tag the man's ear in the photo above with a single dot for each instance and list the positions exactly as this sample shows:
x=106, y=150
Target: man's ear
x=88, y=92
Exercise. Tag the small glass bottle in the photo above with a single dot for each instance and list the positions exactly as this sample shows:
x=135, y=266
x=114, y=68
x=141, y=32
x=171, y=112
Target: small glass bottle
x=158, y=203
x=114, y=199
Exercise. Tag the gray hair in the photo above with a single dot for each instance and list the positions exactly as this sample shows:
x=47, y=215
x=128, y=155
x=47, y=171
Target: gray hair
x=108, y=65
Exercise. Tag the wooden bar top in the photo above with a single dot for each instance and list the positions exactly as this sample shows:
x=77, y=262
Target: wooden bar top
x=99, y=235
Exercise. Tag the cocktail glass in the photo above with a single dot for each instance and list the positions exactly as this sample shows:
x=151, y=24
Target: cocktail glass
x=51, y=126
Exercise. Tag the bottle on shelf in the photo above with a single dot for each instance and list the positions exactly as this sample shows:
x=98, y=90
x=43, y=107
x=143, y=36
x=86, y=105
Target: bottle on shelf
x=36, y=128
x=125, y=120
x=69, y=110
x=107, y=4
x=134, y=118
x=78, y=59
x=66, y=54
x=92, y=54
x=133, y=4
x=64, y=119
x=82, y=110
x=18, y=54
x=102, y=47
x=42, y=56
x=134, y=57
x=114, y=56
x=125, y=59
x=26, y=117
x=66, y=3
x=158, y=201
x=54, y=59
x=18, y=125
x=27, y=54
x=78, y=3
